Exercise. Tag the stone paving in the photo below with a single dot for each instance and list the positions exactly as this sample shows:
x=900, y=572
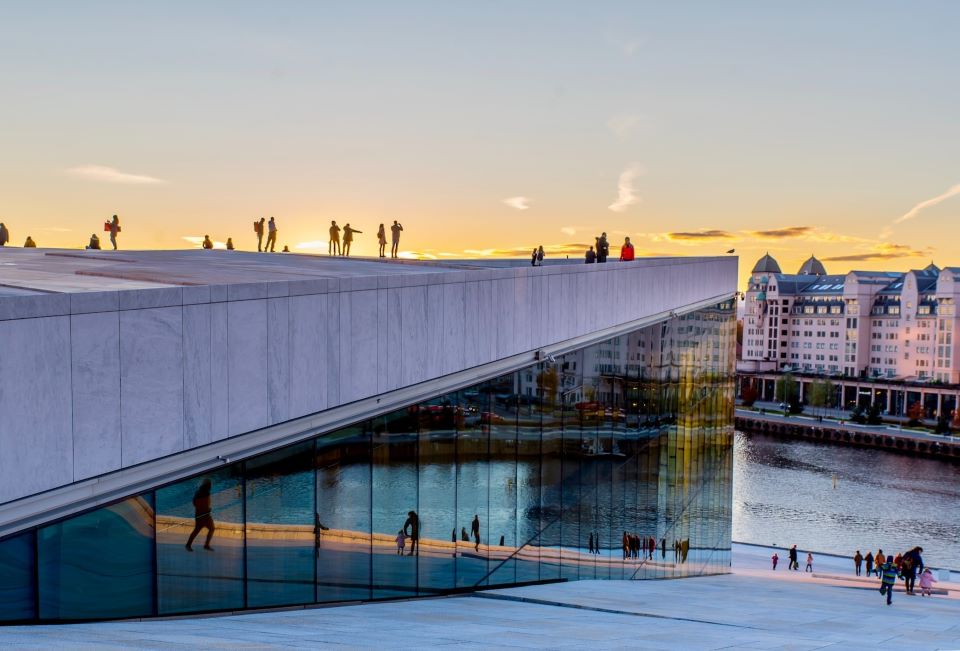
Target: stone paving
x=750, y=609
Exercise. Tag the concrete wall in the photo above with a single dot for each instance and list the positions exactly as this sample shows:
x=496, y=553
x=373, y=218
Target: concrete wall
x=95, y=382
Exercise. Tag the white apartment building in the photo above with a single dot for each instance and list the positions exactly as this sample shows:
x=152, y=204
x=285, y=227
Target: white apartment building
x=866, y=324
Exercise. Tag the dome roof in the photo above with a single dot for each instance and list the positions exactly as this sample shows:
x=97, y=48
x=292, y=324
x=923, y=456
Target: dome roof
x=812, y=267
x=766, y=264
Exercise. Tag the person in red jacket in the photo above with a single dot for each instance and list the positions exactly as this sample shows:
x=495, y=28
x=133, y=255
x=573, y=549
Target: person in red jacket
x=626, y=251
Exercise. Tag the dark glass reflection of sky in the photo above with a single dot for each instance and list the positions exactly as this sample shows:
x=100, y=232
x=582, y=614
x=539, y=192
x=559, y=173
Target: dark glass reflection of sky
x=783, y=494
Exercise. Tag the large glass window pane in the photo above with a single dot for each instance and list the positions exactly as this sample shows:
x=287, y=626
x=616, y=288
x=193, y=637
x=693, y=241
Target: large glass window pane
x=99, y=564
x=396, y=524
x=343, y=515
x=280, y=527
x=499, y=424
x=439, y=421
x=200, y=543
x=525, y=403
x=18, y=592
x=473, y=508
x=551, y=468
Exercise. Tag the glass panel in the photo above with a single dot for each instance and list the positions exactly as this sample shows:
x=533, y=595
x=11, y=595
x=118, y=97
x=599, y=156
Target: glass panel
x=18, y=592
x=200, y=543
x=99, y=564
x=280, y=505
x=500, y=426
x=551, y=469
x=396, y=525
x=525, y=403
x=343, y=515
x=473, y=507
x=439, y=421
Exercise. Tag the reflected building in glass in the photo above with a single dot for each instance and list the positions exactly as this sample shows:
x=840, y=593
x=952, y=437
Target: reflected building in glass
x=611, y=461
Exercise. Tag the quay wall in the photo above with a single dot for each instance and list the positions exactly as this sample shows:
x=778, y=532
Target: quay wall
x=880, y=439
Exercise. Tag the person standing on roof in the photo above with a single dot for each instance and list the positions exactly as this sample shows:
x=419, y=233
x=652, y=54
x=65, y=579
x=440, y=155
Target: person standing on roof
x=114, y=228
x=348, y=238
x=395, y=238
x=333, y=248
x=626, y=251
x=271, y=236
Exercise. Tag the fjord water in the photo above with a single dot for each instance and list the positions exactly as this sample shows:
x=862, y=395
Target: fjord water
x=784, y=494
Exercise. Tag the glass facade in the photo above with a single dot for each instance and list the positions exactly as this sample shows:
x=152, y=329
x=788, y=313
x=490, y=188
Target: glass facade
x=613, y=462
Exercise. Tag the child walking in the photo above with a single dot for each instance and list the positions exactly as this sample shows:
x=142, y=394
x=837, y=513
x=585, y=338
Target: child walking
x=774, y=559
x=401, y=542
x=809, y=567
x=926, y=583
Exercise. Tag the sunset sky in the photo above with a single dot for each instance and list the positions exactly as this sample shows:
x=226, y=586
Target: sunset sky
x=488, y=128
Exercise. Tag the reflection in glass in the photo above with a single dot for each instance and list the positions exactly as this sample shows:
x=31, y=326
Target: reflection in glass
x=439, y=420
x=280, y=527
x=99, y=564
x=611, y=461
x=396, y=524
x=193, y=578
x=343, y=515
x=17, y=589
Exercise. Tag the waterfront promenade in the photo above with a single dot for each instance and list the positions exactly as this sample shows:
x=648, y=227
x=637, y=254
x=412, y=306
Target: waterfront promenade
x=752, y=608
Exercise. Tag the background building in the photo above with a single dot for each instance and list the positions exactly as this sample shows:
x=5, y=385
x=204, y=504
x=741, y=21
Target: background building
x=892, y=325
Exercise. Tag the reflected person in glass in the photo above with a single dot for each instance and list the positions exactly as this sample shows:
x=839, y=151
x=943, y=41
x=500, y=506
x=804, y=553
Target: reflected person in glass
x=203, y=518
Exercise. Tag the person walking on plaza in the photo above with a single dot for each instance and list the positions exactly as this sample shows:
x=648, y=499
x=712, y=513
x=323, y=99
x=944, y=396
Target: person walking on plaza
x=626, y=251
x=794, y=563
x=773, y=560
x=878, y=560
x=626, y=544
x=333, y=248
x=857, y=562
x=401, y=542
x=910, y=565
x=395, y=238
x=809, y=567
x=114, y=227
x=348, y=238
x=258, y=228
x=382, y=240
x=926, y=583
x=663, y=548
x=652, y=547
x=271, y=236
x=29, y=243
x=4, y=235
x=533, y=258
x=591, y=256
x=540, y=256
x=868, y=559
x=889, y=575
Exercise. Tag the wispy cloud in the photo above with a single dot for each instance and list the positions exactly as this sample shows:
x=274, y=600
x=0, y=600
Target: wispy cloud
x=57, y=229
x=782, y=233
x=517, y=203
x=629, y=48
x=569, y=230
x=703, y=235
x=105, y=174
x=623, y=125
x=882, y=251
x=910, y=214
x=626, y=194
